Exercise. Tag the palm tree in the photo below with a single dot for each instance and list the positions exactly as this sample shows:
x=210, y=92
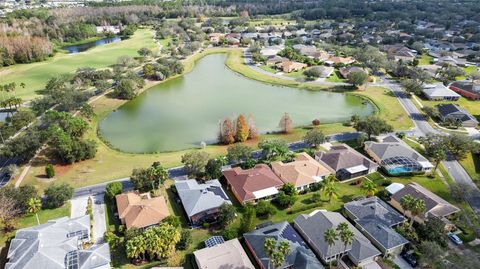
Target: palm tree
x=417, y=208
x=330, y=237
x=34, y=205
x=346, y=236
x=369, y=187
x=330, y=190
x=406, y=202
x=269, y=246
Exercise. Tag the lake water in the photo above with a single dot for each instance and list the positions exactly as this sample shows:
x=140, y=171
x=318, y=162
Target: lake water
x=183, y=112
x=89, y=45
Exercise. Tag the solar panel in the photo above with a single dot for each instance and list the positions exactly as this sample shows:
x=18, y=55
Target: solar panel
x=71, y=260
x=290, y=234
x=82, y=234
x=213, y=241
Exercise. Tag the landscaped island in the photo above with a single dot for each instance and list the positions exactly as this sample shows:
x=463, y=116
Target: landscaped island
x=183, y=112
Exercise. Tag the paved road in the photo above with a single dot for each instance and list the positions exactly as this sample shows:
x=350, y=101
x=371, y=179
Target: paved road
x=456, y=171
x=179, y=172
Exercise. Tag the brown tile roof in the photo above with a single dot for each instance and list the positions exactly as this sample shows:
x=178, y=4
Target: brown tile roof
x=138, y=211
x=301, y=171
x=433, y=204
x=246, y=182
x=343, y=60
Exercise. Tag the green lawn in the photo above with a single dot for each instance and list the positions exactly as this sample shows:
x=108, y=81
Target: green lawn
x=472, y=165
x=389, y=108
x=335, y=77
x=35, y=75
x=295, y=74
x=30, y=220
x=268, y=68
x=425, y=59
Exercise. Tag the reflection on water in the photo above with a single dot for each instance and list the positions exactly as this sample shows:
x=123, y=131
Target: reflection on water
x=183, y=112
x=89, y=45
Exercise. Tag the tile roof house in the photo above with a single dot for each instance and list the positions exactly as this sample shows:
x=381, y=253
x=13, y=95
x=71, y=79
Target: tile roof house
x=303, y=172
x=434, y=205
x=438, y=92
x=300, y=256
x=313, y=226
x=466, y=89
x=226, y=255
x=201, y=202
x=396, y=157
x=376, y=219
x=339, y=60
x=288, y=66
x=253, y=184
x=457, y=113
x=57, y=244
x=345, y=71
x=141, y=210
x=346, y=162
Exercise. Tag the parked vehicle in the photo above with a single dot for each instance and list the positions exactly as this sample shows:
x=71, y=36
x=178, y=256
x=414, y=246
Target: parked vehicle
x=409, y=258
x=455, y=239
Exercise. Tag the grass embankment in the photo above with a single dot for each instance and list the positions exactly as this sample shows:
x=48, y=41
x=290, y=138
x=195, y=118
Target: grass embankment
x=35, y=75
x=29, y=220
x=112, y=164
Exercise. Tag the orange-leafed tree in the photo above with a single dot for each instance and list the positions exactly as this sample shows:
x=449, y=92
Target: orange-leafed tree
x=227, y=132
x=242, y=128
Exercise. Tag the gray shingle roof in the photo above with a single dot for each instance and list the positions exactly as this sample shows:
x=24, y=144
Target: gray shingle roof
x=376, y=218
x=376, y=209
x=384, y=235
x=47, y=245
x=197, y=198
x=447, y=109
x=300, y=254
x=393, y=147
x=316, y=223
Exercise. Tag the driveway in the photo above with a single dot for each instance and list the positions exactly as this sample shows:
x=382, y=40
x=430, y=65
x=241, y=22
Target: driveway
x=401, y=262
x=99, y=218
x=78, y=206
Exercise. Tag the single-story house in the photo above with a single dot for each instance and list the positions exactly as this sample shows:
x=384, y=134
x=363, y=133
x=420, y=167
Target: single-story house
x=57, y=244
x=201, y=202
x=376, y=219
x=400, y=52
x=303, y=172
x=253, y=184
x=434, y=205
x=141, y=210
x=300, y=256
x=271, y=50
x=346, y=162
x=229, y=254
x=288, y=66
x=345, y=71
x=312, y=227
x=327, y=71
x=215, y=37
x=466, y=89
x=339, y=60
x=457, y=113
x=274, y=59
x=396, y=157
x=438, y=92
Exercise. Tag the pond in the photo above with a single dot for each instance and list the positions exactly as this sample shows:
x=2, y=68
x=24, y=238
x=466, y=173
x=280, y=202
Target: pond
x=183, y=112
x=89, y=45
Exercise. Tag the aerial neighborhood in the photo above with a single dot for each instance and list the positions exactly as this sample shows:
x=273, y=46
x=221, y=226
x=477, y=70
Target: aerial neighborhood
x=287, y=134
